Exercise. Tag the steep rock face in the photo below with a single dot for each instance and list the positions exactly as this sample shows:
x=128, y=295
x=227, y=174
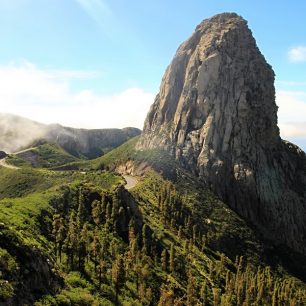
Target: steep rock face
x=216, y=114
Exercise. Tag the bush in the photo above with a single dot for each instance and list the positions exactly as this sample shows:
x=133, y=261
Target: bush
x=6, y=290
x=78, y=296
x=75, y=280
x=62, y=300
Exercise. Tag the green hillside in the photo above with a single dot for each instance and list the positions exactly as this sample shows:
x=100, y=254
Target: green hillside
x=43, y=156
x=80, y=238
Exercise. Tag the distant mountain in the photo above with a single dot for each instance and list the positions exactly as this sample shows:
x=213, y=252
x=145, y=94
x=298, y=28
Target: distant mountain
x=17, y=133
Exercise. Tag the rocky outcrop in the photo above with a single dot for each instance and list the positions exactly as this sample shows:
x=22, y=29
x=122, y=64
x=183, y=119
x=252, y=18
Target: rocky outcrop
x=2, y=154
x=216, y=114
x=26, y=270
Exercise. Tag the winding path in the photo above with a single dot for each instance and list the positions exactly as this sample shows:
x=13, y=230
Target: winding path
x=130, y=181
x=5, y=165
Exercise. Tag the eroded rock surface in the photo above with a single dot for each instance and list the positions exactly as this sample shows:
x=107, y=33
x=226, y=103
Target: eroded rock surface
x=216, y=114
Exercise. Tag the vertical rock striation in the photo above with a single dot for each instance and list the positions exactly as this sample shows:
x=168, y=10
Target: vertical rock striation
x=216, y=114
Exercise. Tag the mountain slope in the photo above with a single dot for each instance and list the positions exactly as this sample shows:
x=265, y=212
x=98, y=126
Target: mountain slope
x=44, y=156
x=78, y=239
x=216, y=114
x=19, y=133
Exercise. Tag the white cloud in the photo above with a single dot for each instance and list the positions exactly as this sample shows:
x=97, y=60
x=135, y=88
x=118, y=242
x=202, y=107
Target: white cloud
x=291, y=113
x=297, y=54
x=46, y=96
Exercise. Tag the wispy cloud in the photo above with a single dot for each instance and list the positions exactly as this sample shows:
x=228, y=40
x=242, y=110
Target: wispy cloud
x=46, y=96
x=297, y=54
x=99, y=11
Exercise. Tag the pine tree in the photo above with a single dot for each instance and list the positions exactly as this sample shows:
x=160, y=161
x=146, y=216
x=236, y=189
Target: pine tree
x=96, y=211
x=132, y=231
x=95, y=248
x=191, y=290
x=83, y=247
x=103, y=204
x=101, y=270
x=216, y=296
x=58, y=232
x=203, y=293
x=71, y=241
x=172, y=258
x=164, y=261
x=115, y=208
x=118, y=275
x=146, y=239
x=180, y=233
x=166, y=297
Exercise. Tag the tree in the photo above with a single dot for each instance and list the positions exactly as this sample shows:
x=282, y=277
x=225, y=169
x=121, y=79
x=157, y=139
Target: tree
x=83, y=246
x=95, y=249
x=96, y=211
x=115, y=208
x=191, y=290
x=81, y=215
x=101, y=270
x=172, y=258
x=216, y=296
x=166, y=297
x=146, y=239
x=108, y=212
x=118, y=275
x=164, y=260
x=132, y=231
x=203, y=293
x=58, y=232
x=71, y=241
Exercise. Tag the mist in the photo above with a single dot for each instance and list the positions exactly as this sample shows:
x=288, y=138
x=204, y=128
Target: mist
x=17, y=133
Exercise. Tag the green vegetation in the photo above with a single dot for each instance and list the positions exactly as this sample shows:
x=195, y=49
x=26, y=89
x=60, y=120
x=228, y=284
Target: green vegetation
x=43, y=156
x=79, y=238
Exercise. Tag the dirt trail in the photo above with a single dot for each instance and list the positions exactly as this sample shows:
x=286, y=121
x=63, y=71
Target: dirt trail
x=130, y=181
x=4, y=164
x=25, y=150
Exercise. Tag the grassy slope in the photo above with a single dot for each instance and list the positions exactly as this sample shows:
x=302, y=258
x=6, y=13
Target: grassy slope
x=25, y=219
x=43, y=156
x=26, y=215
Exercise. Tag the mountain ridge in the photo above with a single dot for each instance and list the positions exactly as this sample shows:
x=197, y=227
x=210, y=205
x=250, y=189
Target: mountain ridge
x=20, y=133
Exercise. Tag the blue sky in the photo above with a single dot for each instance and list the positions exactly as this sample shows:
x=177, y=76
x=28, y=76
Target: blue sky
x=99, y=63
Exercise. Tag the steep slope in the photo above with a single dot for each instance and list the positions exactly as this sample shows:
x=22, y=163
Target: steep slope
x=44, y=156
x=18, y=133
x=75, y=238
x=216, y=114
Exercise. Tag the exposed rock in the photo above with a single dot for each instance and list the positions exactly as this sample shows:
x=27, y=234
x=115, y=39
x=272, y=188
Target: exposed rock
x=2, y=154
x=33, y=273
x=216, y=114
